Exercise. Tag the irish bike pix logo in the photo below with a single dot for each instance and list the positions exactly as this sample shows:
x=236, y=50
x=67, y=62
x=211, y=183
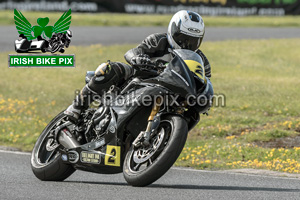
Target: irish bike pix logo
x=42, y=38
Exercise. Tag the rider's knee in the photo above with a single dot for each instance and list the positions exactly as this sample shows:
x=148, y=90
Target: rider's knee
x=107, y=74
x=123, y=70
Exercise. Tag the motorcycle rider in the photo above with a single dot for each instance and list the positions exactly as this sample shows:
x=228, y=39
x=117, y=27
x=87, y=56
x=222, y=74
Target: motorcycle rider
x=185, y=31
x=59, y=41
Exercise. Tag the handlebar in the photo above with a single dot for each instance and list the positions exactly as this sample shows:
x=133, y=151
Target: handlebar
x=145, y=70
x=156, y=65
x=149, y=69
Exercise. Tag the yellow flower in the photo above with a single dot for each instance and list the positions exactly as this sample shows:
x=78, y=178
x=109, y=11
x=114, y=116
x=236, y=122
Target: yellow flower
x=53, y=103
x=290, y=125
x=230, y=137
x=31, y=100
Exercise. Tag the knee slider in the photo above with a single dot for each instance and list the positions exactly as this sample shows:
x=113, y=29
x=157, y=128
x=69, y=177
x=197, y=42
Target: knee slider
x=102, y=69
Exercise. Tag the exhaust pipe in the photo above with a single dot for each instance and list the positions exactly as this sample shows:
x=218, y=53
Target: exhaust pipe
x=66, y=139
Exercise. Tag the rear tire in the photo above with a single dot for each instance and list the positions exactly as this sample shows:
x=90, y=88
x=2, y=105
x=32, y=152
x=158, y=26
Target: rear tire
x=53, y=169
x=162, y=160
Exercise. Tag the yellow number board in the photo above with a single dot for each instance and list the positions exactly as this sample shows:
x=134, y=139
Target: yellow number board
x=113, y=155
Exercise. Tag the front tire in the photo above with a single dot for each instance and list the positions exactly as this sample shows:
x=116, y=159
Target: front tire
x=141, y=170
x=47, y=165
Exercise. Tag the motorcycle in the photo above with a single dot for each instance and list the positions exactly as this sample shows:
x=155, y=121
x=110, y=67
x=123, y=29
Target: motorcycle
x=59, y=41
x=141, y=140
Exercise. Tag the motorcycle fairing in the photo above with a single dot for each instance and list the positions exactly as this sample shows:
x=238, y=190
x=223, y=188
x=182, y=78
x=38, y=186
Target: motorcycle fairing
x=126, y=112
x=197, y=68
x=193, y=61
x=177, y=75
x=109, y=149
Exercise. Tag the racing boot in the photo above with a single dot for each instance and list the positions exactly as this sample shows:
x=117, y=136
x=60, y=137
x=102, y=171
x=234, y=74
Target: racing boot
x=80, y=103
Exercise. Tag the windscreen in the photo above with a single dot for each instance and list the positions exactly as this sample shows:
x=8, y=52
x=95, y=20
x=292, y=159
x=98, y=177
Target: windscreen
x=193, y=61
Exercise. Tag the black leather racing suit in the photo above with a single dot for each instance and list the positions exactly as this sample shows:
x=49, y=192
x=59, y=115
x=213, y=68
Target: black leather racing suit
x=155, y=46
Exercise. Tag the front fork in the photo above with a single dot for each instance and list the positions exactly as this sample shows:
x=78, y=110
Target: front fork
x=144, y=137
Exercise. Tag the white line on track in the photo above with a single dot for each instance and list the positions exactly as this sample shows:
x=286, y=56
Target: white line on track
x=277, y=176
x=15, y=152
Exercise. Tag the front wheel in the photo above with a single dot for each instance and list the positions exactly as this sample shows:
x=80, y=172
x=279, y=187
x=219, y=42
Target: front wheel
x=46, y=162
x=144, y=165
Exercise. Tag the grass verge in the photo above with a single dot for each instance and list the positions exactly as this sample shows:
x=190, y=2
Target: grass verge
x=117, y=19
x=258, y=127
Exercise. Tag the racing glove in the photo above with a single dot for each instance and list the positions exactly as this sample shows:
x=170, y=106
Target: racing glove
x=140, y=59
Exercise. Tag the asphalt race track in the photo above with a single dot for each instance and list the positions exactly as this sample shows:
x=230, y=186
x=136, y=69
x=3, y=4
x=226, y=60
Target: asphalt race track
x=18, y=182
x=129, y=35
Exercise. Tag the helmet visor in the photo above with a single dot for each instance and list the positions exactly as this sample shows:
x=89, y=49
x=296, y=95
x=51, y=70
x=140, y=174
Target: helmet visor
x=186, y=41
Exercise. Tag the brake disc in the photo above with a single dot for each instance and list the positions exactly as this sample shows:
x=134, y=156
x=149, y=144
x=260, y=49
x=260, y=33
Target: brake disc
x=142, y=154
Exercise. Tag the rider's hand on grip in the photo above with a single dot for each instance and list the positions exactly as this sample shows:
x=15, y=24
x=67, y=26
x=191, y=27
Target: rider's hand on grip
x=140, y=59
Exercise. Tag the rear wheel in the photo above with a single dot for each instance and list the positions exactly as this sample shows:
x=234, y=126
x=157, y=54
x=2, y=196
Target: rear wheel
x=46, y=162
x=144, y=165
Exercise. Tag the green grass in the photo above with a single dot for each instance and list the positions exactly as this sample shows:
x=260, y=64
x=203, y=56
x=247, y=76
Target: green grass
x=116, y=19
x=260, y=79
